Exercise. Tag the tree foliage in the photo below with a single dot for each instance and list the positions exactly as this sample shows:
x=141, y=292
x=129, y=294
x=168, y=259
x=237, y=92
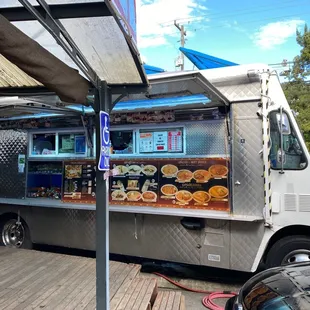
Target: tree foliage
x=297, y=90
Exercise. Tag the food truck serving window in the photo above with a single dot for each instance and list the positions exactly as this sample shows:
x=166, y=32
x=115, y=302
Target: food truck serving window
x=44, y=144
x=72, y=143
x=122, y=142
x=58, y=144
x=161, y=140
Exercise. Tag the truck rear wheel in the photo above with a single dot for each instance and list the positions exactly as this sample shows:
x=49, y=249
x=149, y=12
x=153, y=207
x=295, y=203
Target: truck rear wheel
x=289, y=250
x=14, y=234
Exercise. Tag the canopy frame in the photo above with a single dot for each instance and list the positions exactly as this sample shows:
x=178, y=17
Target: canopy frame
x=48, y=14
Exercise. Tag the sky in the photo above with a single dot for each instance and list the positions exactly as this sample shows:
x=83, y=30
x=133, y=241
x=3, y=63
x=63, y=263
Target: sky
x=236, y=30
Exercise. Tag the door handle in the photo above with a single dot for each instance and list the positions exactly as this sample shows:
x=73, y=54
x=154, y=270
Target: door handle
x=237, y=183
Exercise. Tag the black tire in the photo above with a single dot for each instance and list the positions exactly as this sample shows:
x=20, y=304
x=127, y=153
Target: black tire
x=25, y=244
x=283, y=247
x=230, y=303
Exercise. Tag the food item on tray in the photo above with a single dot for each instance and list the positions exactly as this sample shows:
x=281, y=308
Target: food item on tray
x=119, y=184
x=169, y=189
x=201, y=197
x=73, y=171
x=134, y=169
x=184, y=175
x=118, y=195
x=149, y=196
x=184, y=196
x=149, y=170
x=145, y=186
x=134, y=196
x=121, y=169
x=202, y=175
x=132, y=184
x=218, y=191
x=169, y=170
x=218, y=170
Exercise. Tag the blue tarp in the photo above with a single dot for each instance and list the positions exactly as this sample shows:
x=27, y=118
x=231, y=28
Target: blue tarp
x=204, y=61
x=152, y=70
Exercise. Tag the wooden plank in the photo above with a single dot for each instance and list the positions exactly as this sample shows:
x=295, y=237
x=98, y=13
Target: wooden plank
x=91, y=305
x=113, y=268
x=135, y=294
x=30, y=292
x=151, y=290
x=158, y=301
x=144, y=297
x=63, y=289
x=129, y=294
x=7, y=299
x=119, y=277
x=71, y=301
x=69, y=290
x=164, y=301
x=14, y=263
x=177, y=301
x=54, y=281
x=87, y=299
x=171, y=296
x=182, y=304
x=50, y=286
x=115, y=301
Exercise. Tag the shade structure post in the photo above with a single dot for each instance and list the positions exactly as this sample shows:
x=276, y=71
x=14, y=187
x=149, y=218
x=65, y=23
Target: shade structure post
x=103, y=101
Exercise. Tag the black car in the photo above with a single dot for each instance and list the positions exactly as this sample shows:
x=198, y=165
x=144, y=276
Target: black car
x=280, y=288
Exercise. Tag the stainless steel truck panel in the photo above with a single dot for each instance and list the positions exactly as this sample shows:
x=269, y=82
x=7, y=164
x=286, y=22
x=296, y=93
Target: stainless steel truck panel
x=13, y=183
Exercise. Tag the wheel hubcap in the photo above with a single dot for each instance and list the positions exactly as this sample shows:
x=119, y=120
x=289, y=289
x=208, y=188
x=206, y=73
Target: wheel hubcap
x=297, y=256
x=13, y=234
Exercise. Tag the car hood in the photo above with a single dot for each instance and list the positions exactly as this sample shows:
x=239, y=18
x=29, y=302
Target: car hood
x=278, y=288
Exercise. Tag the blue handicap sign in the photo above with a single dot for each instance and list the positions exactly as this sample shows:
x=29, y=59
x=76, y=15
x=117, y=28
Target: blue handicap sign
x=104, y=160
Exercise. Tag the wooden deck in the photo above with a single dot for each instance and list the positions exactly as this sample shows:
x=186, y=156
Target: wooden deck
x=39, y=280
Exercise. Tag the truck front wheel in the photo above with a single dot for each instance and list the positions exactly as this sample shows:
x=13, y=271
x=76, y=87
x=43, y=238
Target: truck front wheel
x=15, y=234
x=289, y=250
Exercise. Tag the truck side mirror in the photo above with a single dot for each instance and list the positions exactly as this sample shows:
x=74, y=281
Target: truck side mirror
x=283, y=124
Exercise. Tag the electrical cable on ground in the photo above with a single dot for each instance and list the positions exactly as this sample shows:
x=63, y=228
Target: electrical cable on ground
x=207, y=301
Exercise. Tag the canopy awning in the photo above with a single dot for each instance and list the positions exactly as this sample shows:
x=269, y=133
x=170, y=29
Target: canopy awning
x=204, y=61
x=181, y=83
x=152, y=70
x=81, y=42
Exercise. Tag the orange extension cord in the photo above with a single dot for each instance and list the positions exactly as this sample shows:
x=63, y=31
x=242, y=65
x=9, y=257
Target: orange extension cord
x=207, y=301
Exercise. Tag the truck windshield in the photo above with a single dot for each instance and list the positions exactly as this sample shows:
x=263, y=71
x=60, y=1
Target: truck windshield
x=292, y=154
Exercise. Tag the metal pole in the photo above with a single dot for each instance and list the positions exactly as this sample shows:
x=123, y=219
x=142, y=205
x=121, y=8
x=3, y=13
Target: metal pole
x=183, y=34
x=103, y=100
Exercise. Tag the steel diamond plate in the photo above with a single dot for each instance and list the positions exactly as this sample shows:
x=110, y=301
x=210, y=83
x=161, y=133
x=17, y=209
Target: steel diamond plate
x=12, y=183
x=206, y=138
x=245, y=241
x=248, y=197
x=151, y=236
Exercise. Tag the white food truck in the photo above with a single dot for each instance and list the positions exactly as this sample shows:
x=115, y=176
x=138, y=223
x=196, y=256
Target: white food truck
x=208, y=168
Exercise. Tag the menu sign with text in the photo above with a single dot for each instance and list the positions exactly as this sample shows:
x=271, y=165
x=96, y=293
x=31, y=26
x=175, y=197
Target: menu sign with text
x=79, y=182
x=172, y=183
x=175, y=141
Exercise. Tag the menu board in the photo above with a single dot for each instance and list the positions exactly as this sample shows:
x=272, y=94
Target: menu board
x=175, y=141
x=173, y=183
x=146, y=142
x=160, y=141
x=79, y=182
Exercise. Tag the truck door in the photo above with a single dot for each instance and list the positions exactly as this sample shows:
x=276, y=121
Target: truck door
x=247, y=162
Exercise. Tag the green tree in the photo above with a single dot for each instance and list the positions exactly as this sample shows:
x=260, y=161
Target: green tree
x=297, y=90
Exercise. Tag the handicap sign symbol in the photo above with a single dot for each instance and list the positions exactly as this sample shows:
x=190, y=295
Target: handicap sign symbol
x=104, y=159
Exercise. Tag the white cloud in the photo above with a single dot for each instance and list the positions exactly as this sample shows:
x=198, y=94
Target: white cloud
x=155, y=19
x=234, y=25
x=277, y=33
